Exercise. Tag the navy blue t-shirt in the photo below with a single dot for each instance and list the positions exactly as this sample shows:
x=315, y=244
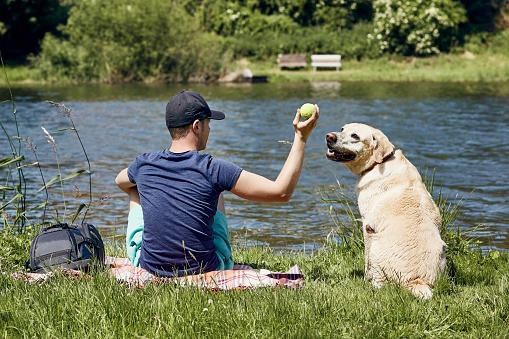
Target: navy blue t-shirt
x=179, y=194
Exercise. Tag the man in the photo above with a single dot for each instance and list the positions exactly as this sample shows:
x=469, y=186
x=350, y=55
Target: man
x=180, y=189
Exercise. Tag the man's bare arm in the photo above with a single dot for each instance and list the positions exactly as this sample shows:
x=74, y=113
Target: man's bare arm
x=255, y=187
x=123, y=182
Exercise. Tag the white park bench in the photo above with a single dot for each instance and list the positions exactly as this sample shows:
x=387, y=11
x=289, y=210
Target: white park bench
x=326, y=60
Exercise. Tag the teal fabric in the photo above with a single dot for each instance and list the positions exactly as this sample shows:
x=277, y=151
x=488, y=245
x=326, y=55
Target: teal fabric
x=219, y=233
x=134, y=235
x=222, y=242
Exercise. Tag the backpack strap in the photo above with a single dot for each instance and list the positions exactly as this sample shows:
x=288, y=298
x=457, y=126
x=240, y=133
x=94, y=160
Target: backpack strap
x=92, y=236
x=55, y=227
x=86, y=231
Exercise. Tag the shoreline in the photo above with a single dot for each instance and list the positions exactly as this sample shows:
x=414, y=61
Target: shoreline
x=465, y=68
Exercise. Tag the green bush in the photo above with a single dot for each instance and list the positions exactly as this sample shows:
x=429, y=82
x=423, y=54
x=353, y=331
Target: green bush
x=262, y=30
x=61, y=59
x=355, y=43
x=270, y=44
x=481, y=42
x=351, y=44
x=417, y=27
x=475, y=43
x=229, y=18
x=114, y=41
x=232, y=19
x=342, y=14
x=499, y=43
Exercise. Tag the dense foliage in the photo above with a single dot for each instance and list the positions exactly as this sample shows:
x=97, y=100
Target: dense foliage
x=23, y=24
x=417, y=27
x=117, y=40
x=181, y=40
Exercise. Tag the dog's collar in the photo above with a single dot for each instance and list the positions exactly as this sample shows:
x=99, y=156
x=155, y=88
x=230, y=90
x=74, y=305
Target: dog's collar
x=376, y=163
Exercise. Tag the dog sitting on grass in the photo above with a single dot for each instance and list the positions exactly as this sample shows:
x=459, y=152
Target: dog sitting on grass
x=401, y=222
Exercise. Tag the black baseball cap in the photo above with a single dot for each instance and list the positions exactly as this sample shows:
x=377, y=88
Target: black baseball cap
x=186, y=107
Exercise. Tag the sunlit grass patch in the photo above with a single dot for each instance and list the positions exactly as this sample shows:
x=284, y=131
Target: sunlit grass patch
x=486, y=67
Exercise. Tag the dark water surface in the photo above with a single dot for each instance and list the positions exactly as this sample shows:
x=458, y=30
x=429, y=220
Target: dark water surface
x=460, y=131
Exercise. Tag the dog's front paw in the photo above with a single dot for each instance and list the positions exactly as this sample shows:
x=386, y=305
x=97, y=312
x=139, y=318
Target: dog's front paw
x=376, y=283
x=422, y=291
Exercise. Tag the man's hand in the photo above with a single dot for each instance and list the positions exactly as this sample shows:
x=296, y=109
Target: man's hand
x=304, y=128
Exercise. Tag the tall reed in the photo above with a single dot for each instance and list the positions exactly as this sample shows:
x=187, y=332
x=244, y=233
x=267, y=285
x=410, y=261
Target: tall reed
x=16, y=211
x=18, y=201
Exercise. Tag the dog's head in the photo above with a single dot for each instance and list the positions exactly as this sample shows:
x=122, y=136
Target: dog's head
x=358, y=146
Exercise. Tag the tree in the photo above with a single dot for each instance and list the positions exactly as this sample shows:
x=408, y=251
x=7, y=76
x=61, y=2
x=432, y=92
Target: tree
x=25, y=22
x=417, y=27
x=135, y=40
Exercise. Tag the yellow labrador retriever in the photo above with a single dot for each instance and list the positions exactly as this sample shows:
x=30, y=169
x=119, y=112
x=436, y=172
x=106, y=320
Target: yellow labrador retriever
x=401, y=223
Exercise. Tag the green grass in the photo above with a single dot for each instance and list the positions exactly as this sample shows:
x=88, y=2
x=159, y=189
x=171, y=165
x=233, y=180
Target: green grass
x=21, y=75
x=444, y=68
x=335, y=302
x=471, y=299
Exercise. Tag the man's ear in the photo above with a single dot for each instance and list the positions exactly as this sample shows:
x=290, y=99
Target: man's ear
x=382, y=146
x=196, y=126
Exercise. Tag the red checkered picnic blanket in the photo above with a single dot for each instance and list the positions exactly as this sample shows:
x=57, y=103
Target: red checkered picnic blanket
x=241, y=277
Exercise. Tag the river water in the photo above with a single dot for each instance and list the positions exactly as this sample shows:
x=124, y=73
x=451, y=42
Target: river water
x=459, y=132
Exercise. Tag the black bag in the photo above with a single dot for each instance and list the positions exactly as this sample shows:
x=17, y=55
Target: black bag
x=64, y=246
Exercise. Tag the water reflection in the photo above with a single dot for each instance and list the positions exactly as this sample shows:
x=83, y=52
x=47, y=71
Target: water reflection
x=459, y=131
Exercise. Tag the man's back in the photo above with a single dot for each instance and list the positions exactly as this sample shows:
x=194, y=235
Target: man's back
x=179, y=194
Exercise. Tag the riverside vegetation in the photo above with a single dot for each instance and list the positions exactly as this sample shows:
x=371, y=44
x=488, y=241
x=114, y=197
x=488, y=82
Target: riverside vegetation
x=486, y=67
x=204, y=40
x=471, y=299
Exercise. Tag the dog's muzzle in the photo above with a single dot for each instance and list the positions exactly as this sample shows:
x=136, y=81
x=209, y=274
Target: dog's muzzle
x=335, y=154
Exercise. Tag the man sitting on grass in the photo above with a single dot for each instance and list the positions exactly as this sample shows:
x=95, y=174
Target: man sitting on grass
x=180, y=190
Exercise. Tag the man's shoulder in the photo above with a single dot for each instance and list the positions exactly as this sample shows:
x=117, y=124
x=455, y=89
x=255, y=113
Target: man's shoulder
x=151, y=155
x=218, y=161
x=145, y=159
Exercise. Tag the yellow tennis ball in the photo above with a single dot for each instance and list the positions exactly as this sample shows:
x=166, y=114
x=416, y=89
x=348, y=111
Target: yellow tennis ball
x=306, y=111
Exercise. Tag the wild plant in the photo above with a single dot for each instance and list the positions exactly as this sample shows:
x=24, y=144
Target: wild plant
x=69, y=113
x=16, y=211
x=348, y=230
x=16, y=175
x=457, y=239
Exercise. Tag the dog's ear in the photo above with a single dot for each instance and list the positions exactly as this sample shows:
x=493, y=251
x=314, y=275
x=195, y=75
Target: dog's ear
x=382, y=146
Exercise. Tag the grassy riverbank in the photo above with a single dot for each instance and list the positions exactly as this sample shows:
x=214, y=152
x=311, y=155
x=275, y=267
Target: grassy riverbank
x=444, y=68
x=335, y=302
x=471, y=299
